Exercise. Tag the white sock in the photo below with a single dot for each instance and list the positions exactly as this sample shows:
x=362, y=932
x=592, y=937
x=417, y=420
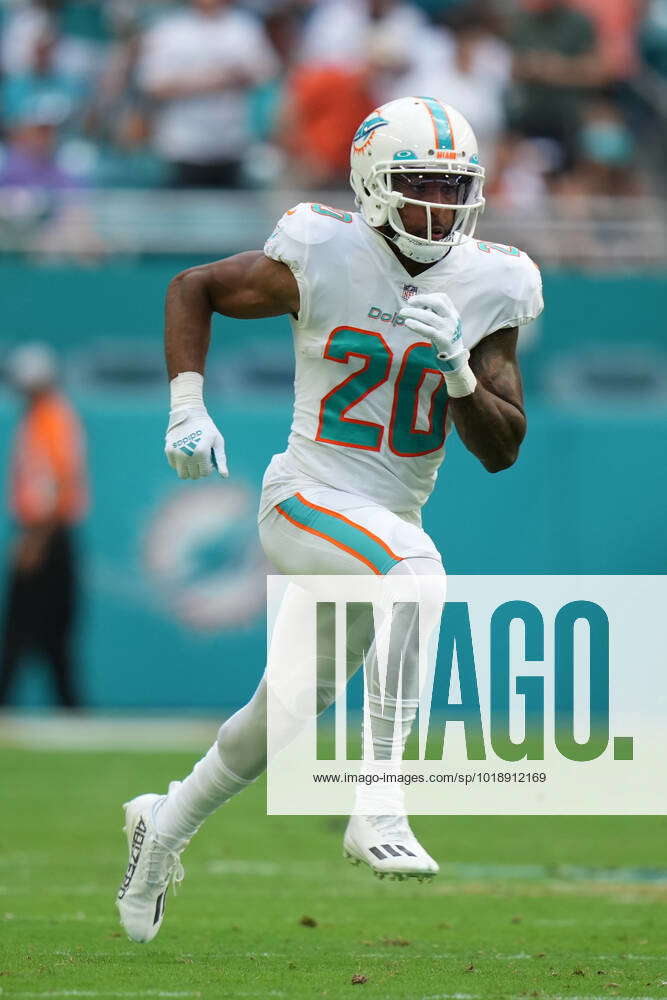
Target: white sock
x=191, y=801
x=389, y=714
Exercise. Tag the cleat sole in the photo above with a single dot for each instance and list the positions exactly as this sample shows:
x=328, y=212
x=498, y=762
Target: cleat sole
x=392, y=876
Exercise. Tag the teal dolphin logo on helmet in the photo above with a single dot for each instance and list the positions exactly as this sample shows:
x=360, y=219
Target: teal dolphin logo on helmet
x=367, y=130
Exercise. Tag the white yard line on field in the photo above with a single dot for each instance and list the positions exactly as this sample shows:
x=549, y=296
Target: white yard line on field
x=463, y=872
x=229, y=866
x=55, y=918
x=100, y=993
x=93, y=731
x=452, y=996
x=23, y=859
x=131, y=953
x=561, y=873
x=555, y=922
x=127, y=995
x=519, y=957
x=53, y=890
x=267, y=869
x=134, y=952
x=543, y=996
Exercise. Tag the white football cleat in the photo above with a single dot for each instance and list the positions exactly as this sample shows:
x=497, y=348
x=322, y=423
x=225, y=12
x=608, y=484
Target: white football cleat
x=143, y=892
x=388, y=846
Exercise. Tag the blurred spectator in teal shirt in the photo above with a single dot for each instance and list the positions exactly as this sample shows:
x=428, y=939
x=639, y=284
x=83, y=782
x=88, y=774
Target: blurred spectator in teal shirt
x=43, y=88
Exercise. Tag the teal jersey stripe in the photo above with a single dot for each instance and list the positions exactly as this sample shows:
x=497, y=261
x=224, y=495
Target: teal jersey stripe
x=441, y=121
x=351, y=536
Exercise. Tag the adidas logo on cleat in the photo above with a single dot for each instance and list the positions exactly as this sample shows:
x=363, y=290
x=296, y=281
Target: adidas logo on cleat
x=389, y=850
x=160, y=904
x=135, y=854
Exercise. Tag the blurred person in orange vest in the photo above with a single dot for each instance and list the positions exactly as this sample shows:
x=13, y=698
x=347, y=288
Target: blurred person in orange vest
x=47, y=497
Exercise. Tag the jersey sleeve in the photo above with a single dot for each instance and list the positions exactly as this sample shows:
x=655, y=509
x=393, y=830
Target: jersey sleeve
x=288, y=245
x=299, y=242
x=517, y=291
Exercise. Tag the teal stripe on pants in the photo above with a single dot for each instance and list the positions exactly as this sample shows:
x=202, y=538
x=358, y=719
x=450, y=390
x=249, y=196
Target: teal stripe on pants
x=353, y=537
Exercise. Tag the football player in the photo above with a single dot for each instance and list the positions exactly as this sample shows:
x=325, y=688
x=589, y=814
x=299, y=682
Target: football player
x=403, y=325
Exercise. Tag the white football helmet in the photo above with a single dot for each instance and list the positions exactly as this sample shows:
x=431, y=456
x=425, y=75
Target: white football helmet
x=416, y=135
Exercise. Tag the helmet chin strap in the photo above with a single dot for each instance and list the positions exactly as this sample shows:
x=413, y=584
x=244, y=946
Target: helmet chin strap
x=419, y=252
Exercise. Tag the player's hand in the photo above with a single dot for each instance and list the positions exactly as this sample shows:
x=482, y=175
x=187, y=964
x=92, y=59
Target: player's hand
x=193, y=444
x=433, y=315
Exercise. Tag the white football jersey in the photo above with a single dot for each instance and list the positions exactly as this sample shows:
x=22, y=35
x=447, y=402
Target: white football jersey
x=370, y=406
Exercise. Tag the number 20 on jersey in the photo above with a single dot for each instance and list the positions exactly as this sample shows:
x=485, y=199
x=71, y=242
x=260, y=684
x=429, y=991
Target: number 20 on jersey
x=336, y=426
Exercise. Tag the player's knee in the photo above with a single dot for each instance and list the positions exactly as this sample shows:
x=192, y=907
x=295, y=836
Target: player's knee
x=251, y=718
x=429, y=583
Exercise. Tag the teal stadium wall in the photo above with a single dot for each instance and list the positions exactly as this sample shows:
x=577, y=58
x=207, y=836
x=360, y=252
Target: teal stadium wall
x=587, y=495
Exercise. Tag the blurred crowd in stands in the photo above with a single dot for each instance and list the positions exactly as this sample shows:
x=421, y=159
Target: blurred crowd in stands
x=565, y=95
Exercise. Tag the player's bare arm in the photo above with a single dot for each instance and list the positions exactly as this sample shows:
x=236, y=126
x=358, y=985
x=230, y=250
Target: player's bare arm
x=246, y=286
x=491, y=421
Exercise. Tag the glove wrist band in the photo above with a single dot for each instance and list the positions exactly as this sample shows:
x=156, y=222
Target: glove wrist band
x=460, y=383
x=187, y=389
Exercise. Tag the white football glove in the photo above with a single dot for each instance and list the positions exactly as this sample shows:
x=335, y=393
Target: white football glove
x=434, y=315
x=193, y=444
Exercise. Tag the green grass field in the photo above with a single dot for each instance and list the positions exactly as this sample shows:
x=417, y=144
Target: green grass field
x=537, y=907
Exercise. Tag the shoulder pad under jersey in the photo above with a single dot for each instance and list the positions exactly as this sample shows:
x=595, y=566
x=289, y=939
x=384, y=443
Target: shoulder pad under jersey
x=511, y=283
x=296, y=242
x=309, y=223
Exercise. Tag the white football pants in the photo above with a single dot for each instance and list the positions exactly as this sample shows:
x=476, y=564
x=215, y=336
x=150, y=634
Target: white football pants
x=321, y=531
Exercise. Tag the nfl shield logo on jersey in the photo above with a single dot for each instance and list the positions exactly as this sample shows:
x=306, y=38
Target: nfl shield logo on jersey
x=409, y=291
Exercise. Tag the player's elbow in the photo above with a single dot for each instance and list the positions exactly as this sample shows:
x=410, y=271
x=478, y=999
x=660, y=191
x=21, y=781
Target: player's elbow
x=500, y=462
x=190, y=285
x=192, y=277
x=505, y=450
